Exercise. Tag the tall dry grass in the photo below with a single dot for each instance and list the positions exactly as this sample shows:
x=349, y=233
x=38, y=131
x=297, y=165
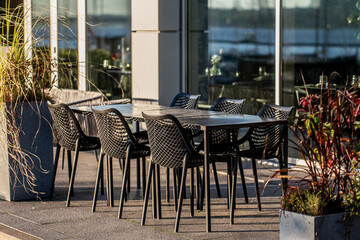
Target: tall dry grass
x=23, y=79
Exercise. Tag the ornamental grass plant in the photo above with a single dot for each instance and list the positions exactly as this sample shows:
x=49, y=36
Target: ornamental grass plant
x=25, y=73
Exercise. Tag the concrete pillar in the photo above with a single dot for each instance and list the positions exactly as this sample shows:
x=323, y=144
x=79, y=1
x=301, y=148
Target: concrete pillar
x=156, y=48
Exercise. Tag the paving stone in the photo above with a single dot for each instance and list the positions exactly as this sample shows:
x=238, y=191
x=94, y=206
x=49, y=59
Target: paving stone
x=52, y=220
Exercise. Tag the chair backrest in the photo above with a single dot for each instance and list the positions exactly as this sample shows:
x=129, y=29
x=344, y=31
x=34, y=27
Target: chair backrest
x=233, y=106
x=270, y=136
x=183, y=100
x=226, y=105
x=74, y=97
x=114, y=132
x=87, y=120
x=66, y=127
x=168, y=140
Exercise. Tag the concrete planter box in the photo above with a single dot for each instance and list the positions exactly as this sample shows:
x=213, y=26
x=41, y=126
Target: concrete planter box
x=35, y=139
x=333, y=226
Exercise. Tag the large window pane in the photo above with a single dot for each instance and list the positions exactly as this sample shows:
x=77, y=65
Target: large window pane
x=109, y=58
x=41, y=23
x=231, y=51
x=320, y=37
x=67, y=43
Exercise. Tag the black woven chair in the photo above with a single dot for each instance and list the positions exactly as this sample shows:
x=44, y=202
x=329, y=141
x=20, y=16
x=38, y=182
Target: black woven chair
x=221, y=143
x=266, y=142
x=117, y=141
x=171, y=148
x=183, y=100
x=70, y=137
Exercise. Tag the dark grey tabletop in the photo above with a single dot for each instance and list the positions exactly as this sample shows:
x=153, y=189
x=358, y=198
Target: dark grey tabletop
x=198, y=117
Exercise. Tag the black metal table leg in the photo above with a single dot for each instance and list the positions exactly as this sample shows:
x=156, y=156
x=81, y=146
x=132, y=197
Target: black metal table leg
x=207, y=179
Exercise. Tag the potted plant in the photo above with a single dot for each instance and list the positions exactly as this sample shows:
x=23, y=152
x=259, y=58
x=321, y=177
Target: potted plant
x=322, y=198
x=26, y=155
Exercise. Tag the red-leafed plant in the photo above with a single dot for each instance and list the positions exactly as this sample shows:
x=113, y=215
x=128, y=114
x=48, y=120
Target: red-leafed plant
x=328, y=141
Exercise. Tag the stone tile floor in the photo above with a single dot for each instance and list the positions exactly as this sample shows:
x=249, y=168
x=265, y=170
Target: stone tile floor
x=52, y=220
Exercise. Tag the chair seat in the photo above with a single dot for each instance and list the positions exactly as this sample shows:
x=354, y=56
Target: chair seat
x=259, y=153
x=142, y=151
x=141, y=137
x=89, y=143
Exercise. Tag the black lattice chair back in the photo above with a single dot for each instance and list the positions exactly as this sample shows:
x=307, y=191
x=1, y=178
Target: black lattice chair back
x=70, y=137
x=114, y=132
x=186, y=101
x=232, y=106
x=226, y=105
x=168, y=140
x=66, y=126
x=270, y=136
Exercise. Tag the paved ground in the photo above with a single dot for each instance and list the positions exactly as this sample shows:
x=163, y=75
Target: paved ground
x=52, y=220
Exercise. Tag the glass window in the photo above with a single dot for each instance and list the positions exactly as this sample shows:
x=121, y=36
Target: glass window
x=109, y=47
x=319, y=37
x=40, y=10
x=231, y=46
x=67, y=43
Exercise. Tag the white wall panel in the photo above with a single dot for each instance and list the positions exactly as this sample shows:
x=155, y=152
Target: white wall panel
x=145, y=65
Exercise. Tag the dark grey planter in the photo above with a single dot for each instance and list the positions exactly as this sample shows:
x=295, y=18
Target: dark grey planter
x=35, y=139
x=333, y=226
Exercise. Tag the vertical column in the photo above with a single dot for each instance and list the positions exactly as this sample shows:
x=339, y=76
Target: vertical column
x=278, y=52
x=82, y=58
x=54, y=42
x=28, y=34
x=156, y=50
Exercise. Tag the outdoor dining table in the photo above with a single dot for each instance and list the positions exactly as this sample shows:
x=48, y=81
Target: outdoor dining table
x=207, y=121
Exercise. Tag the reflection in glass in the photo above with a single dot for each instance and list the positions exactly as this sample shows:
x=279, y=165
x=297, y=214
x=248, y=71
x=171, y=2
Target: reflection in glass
x=319, y=37
x=67, y=43
x=109, y=47
x=231, y=51
x=40, y=10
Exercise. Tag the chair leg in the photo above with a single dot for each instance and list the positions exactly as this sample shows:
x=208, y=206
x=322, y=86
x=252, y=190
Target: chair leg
x=107, y=181
x=158, y=191
x=120, y=164
x=243, y=180
x=198, y=183
x=57, y=153
x=69, y=164
x=229, y=183
x=102, y=175
x=192, y=192
x=283, y=171
x=179, y=174
x=125, y=179
x=147, y=190
x=153, y=193
x=128, y=182
x=98, y=176
x=182, y=187
x=138, y=173
x=202, y=191
x=122, y=168
x=69, y=168
x=63, y=159
x=216, y=180
x=73, y=172
x=111, y=184
x=175, y=190
x=143, y=176
x=256, y=182
x=233, y=191
x=167, y=185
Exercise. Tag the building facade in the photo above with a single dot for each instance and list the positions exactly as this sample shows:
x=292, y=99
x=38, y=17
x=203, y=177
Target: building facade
x=263, y=51
x=260, y=50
